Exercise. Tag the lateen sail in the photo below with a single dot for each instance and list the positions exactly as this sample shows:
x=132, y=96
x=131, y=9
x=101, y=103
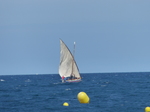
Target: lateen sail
x=67, y=65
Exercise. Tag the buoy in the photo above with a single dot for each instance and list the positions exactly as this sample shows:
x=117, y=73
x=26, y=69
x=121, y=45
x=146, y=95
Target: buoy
x=65, y=104
x=147, y=109
x=83, y=97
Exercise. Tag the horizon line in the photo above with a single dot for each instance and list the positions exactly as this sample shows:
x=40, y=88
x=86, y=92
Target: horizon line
x=80, y=73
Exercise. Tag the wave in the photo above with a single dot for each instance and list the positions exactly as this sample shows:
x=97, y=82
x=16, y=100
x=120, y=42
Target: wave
x=2, y=80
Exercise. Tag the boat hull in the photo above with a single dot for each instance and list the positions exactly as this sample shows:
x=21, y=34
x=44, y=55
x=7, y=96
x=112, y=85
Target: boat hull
x=73, y=80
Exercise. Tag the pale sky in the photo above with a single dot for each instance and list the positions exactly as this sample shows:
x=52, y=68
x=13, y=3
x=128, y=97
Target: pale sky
x=110, y=35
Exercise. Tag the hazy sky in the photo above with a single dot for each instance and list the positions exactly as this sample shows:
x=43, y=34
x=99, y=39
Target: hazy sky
x=110, y=35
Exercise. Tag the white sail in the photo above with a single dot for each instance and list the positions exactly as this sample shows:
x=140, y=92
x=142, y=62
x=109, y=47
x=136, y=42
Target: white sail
x=67, y=65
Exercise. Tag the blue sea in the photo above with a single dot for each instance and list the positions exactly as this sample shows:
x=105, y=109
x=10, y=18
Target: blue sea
x=108, y=92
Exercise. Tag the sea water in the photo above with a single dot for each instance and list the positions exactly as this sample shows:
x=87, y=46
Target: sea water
x=108, y=92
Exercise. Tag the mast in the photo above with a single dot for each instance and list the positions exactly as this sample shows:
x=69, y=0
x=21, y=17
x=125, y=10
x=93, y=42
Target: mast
x=74, y=49
x=73, y=57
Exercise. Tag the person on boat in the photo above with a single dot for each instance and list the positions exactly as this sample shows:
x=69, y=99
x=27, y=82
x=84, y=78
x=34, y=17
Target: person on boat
x=72, y=77
x=63, y=79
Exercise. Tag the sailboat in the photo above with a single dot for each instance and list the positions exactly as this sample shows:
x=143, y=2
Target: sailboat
x=68, y=69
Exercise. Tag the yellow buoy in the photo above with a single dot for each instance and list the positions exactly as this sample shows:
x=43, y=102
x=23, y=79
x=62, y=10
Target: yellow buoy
x=147, y=109
x=83, y=97
x=65, y=104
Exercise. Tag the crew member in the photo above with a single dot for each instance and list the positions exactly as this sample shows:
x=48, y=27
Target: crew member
x=63, y=79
